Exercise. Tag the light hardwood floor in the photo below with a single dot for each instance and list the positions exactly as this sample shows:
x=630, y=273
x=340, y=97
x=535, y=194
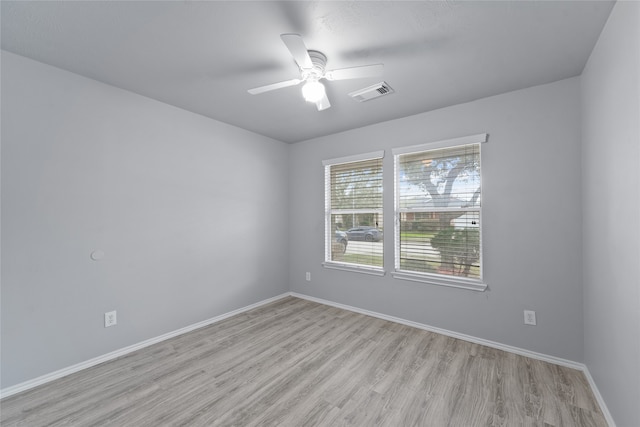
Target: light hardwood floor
x=298, y=363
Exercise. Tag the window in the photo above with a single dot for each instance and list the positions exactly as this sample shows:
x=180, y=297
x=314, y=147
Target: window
x=438, y=235
x=353, y=213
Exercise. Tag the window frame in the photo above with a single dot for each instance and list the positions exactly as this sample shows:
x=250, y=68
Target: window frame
x=424, y=277
x=328, y=237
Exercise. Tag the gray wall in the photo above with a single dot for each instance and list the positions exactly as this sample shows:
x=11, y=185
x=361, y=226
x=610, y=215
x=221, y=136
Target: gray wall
x=532, y=220
x=611, y=204
x=190, y=213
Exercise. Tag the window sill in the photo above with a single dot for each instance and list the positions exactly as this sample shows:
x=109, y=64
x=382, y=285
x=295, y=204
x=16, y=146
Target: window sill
x=471, y=285
x=354, y=268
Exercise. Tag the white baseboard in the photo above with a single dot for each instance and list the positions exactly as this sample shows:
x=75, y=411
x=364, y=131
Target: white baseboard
x=511, y=349
x=596, y=392
x=9, y=391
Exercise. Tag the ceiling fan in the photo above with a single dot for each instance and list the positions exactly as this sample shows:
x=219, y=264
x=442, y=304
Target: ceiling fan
x=312, y=69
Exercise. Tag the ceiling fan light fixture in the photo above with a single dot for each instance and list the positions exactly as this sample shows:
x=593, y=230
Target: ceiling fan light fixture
x=313, y=91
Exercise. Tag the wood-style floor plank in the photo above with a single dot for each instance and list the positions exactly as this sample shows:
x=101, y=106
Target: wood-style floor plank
x=298, y=363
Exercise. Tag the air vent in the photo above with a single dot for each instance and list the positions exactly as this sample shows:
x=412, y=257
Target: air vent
x=371, y=92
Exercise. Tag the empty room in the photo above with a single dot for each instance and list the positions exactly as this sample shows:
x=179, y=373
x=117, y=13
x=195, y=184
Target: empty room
x=319, y=213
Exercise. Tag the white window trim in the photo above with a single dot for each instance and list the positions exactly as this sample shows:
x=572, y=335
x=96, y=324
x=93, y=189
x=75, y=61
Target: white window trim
x=356, y=268
x=464, y=140
x=354, y=158
x=435, y=279
x=431, y=278
x=374, y=271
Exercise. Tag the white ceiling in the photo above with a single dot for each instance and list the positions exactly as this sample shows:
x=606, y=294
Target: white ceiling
x=203, y=56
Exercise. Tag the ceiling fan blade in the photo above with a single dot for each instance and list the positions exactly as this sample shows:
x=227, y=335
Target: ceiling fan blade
x=324, y=103
x=355, y=72
x=298, y=50
x=274, y=86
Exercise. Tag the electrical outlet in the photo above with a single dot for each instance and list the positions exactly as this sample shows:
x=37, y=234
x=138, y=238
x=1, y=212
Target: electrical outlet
x=308, y=276
x=110, y=319
x=529, y=317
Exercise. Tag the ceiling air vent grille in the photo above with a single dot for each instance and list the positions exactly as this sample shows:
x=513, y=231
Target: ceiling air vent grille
x=371, y=92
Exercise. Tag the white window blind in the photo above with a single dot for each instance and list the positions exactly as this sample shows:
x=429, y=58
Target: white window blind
x=438, y=210
x=353, y=212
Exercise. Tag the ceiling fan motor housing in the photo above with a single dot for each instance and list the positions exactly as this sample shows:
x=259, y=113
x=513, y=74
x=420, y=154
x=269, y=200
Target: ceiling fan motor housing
x=319, y=61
